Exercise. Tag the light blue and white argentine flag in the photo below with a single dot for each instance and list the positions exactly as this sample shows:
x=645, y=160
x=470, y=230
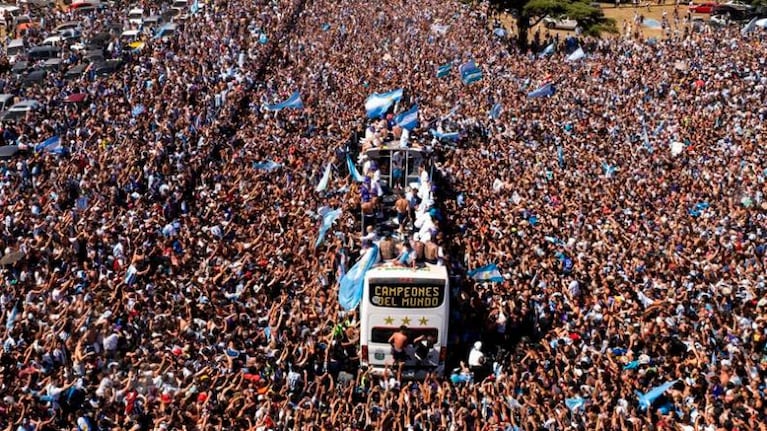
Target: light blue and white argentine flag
x=444, y=70
x=470, y=72
x=577, y=55
x=356, y=176
x=323, y=185
x=328, y=219
x=444, y=136
x=646, y=400
x=292, y=102
x=195, y=7
x=749, y=27
x=487, y=273
x=50, y=145
x=495, y=111
x=646, y=138
x=351, y=284
x=543, y=91
x=377, y=104
x=408, y=119
x=547, y=51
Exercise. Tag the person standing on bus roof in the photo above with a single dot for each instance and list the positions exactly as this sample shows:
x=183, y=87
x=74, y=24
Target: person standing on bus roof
x=399, y=341
x=423, y=174
x=402, y=207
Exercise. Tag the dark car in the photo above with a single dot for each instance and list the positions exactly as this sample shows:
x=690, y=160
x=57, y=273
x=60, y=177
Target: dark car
x=44, y=52
x=154, y=21
x=34, y=77
x=94, y=56
x=734, y=12
x=107, y=67
x=19, y=68
x=76, y=71
x=100, y=39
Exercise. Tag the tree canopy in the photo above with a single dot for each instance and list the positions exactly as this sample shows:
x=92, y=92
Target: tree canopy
x=528, y=13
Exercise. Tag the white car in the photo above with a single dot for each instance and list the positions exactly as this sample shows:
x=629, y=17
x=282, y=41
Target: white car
x=562, y=23
x=25, y=106
x=52, y=41
x=136, y=16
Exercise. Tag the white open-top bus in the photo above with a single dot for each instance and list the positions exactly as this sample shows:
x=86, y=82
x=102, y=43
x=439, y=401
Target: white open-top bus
x=417, y=298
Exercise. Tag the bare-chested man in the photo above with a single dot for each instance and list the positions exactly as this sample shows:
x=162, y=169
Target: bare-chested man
x=398, y=342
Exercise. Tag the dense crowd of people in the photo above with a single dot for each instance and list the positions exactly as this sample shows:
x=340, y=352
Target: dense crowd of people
x=164, y=273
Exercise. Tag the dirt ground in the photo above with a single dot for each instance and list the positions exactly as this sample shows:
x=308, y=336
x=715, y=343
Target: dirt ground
x=622, y=14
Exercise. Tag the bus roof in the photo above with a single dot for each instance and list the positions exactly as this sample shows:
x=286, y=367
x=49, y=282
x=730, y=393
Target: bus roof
x=388, y=270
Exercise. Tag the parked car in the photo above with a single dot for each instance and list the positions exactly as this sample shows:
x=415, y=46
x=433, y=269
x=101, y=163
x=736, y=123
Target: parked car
x=562, y=23
x=136, y=16
x=19, y=110
x=107, y=67
x=154, y=21
x=703, y=8
x=19, y=68
x=43, y=52
x=736, y=4
x=6, y=100
x=54, y=64
x=15, y=48
x=76, y=71
x=734, y=12
x=34, y=77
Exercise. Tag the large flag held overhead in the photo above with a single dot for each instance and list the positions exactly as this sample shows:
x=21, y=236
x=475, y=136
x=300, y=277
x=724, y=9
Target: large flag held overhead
x=351, y=284
x=575, y=403
x=444, y=136
x=576, y=55
x=646, y=400
x=408, y=119
x=328, y=219
x=50, y=145
x=292, y=102
x=495, y=111
x=470, y=72
x=356, y=176
x=646, y=138
x=487, y=273
x=749, y=27
x=323, y=185
x=444, y=70
x=543, y=91
x=377, y=104
x=268, y=165
x=547, y=51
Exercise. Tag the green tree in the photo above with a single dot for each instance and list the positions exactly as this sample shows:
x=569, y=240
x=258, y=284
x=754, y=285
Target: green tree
x=528, y=13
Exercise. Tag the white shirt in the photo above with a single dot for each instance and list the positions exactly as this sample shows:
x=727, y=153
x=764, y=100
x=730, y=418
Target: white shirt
x=475, y=358
x=404, y=137
x=110, y=342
